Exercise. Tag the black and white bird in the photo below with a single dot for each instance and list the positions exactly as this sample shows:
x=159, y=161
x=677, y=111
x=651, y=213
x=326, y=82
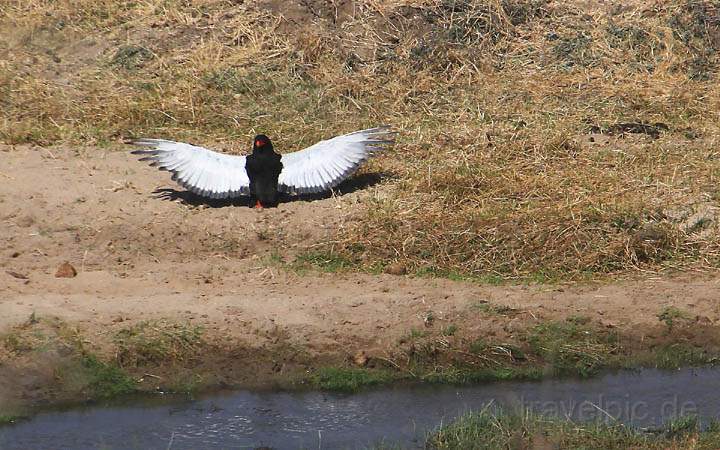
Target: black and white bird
x=264, y=174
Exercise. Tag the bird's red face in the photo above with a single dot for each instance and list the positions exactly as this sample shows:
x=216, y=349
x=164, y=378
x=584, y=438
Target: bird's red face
x=261, y=141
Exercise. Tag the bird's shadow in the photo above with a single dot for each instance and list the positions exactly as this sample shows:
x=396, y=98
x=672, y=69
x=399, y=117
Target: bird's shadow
x=348, y=186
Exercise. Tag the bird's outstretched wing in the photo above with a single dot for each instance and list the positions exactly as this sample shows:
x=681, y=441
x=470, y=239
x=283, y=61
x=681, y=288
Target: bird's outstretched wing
x=324, y=165
x=202, y=171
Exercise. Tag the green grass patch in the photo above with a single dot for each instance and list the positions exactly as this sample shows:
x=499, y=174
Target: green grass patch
x=478, y=345
x=322, y=261
x=9, y=419
x=413, y=335
x=350, y=380
x=489, y=308
x=672, y=316
x=466, y=375
x=498, y=430
x=578, y=320
x=573, y=349
x=38, y=336
x=449, y=330
x=155, y=342
x=677, y=355
x=19, y=343
x=106, y=380
x=131, y=57
x=187, y=384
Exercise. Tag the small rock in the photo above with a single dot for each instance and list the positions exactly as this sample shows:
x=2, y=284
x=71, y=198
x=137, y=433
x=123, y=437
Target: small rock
x=396, y=269
x=65, y=270
x=360, y=359
x=15, y=254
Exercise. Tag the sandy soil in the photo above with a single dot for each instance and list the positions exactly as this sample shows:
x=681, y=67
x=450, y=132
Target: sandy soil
x=140, y=256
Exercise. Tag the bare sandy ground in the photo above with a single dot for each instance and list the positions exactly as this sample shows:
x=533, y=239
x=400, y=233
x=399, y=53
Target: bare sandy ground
x=141, y=257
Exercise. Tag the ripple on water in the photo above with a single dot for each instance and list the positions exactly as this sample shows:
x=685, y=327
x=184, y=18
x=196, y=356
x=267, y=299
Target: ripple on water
x=402, y=414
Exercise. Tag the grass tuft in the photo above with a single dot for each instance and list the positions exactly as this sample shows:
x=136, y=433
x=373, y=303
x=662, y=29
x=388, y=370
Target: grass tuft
x=9, y=419
x=671, y=316
x=349, y=380
x=325, y=262
x=106, y=380
x=500, y=430
x=131, y=57
x=571, y=348
x=679, y=354
x=465, y=375
x=156, y=342
x=489, y=308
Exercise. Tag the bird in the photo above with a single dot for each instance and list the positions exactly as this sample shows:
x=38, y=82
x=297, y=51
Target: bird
x=263, y=168
x=264, y=174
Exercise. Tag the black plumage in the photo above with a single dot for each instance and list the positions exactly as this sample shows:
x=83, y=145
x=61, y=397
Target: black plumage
x=263, y=168
x=215, y=175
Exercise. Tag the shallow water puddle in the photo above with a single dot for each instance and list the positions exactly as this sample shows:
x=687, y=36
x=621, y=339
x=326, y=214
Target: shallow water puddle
x=312, y=420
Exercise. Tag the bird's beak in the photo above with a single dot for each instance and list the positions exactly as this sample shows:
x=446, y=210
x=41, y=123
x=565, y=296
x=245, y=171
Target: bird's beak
x=258, y=205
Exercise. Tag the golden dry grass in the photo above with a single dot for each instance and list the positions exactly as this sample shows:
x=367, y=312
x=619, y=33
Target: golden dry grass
x=494, y=174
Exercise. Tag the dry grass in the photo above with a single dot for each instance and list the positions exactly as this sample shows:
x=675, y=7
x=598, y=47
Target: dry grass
x=156, y=342
x=495, y=172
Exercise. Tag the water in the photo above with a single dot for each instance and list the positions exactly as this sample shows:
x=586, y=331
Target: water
x=312, y=420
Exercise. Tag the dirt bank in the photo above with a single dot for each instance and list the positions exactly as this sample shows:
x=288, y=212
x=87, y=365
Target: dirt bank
x=180, y=294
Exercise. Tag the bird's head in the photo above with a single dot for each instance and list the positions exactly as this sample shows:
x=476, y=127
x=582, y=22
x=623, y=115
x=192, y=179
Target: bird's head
x=262, y=143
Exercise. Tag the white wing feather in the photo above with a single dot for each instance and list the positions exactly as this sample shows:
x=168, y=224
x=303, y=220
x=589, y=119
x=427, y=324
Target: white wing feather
x=315, y=169
x=326, y=164
x=198, y=169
